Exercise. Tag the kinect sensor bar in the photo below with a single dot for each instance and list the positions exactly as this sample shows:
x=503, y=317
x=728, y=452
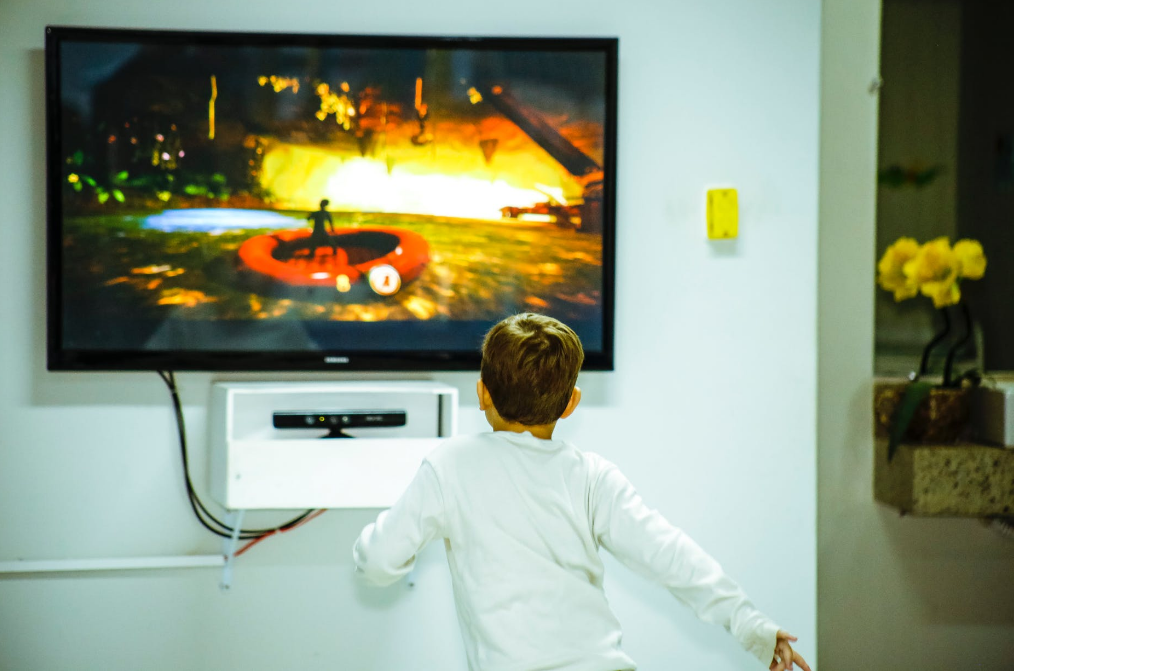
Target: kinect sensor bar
x=337, y=420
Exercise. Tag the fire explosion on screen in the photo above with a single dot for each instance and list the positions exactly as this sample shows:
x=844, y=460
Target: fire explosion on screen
x=243, y=183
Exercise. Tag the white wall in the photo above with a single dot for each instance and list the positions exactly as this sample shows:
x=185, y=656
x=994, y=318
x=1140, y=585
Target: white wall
x=711, y=411
x=894, y=593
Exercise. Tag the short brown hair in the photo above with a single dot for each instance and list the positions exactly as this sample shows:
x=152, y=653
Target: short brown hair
x=529, y=364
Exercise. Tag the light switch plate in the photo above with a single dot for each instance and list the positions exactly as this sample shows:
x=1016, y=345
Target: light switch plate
x=723, y=214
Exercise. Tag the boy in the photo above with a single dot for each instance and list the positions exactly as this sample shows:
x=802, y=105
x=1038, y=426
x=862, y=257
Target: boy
x=523, y=517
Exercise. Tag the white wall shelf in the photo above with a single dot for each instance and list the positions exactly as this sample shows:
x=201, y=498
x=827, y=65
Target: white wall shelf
x=256, y=466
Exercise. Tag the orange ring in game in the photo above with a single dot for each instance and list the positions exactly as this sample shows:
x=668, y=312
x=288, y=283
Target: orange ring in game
x=295, y=258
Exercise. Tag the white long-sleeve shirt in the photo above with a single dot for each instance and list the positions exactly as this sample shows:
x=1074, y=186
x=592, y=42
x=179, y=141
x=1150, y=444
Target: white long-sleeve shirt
x=523, y=520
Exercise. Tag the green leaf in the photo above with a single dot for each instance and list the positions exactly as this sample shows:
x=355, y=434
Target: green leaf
x=78, y=157
x=914, y=395
x=89, y=181
x=118, y=195
x=102, y=197
x=77, y=186
x=120, y=177
x=194, y=190
x=218, y=178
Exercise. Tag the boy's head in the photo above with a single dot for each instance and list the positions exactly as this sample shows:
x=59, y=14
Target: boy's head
x=323, y=204
x=529, y=365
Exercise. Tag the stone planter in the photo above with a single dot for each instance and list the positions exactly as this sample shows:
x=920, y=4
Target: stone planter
x=962, y=479
x=943, y=417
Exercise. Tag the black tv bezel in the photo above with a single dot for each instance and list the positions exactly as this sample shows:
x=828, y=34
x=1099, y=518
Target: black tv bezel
x=62, y=359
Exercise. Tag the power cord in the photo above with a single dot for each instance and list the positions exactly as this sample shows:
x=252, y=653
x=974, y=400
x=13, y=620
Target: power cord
x=209, y=521
x=262, y=537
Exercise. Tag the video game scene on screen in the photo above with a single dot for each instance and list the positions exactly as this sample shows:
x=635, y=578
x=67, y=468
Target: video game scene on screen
x=273, y=183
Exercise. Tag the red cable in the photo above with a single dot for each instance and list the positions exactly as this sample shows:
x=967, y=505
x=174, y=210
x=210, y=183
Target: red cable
x=244, y=549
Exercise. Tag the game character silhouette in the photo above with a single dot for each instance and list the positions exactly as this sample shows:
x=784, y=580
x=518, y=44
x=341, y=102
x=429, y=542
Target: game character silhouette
x=321, y=222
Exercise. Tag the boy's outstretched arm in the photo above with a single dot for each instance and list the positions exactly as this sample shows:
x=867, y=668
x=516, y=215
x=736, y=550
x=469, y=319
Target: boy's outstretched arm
x=386, y=550
x=648, y=544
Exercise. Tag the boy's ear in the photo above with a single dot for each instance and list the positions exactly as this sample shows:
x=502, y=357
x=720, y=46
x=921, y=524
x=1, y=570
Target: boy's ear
x=482, y=393
x=573, y=402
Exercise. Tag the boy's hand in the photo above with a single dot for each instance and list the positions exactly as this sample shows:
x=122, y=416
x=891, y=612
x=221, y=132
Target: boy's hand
x=785, y=656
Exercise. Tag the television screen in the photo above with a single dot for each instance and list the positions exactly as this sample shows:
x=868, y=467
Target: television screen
x=240, y=201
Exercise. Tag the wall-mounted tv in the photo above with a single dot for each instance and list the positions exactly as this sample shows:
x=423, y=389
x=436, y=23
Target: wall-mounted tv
x=259, y=202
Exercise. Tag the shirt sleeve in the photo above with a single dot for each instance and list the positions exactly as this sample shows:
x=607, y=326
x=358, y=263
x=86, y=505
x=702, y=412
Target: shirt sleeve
x=386, y=550
x=648, y=544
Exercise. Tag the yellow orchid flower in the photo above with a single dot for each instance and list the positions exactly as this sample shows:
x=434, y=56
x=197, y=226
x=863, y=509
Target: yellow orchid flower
x=942, y=293
x=971, y=256
x=891, y=267
x=936, y=268
x=933, y=269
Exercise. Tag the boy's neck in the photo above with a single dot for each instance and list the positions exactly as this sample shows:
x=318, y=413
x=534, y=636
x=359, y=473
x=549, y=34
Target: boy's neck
x=539, y=431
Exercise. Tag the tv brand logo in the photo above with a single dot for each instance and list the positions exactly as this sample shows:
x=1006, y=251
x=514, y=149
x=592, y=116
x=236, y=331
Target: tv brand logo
x=335, y=360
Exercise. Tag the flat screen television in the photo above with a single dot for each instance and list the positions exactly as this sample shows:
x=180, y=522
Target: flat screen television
x=260, y=202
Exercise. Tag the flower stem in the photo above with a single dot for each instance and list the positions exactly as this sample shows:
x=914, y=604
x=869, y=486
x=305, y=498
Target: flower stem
x=932, y=344
x=956, y=346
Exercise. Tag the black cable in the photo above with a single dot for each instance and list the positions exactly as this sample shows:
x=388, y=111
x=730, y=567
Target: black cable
x=198, y=507
x=194, y=500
